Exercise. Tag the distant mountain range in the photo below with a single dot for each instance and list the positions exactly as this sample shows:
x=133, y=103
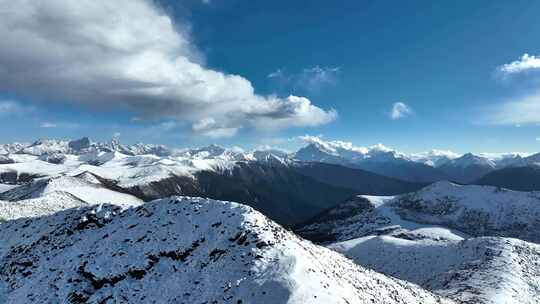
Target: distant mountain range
x=286, y=190
x=424, y=167
x=338, y=167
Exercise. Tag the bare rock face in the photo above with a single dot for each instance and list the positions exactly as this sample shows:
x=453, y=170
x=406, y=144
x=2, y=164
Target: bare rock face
x=53, y=158
x=79, y=144
x=4, y=160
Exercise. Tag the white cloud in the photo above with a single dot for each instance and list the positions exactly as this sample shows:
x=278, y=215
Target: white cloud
x=538, y=139
x=520, y=111
x=48, y=125
x=311, y=79
x=292, y=111
x=8, y=106
x=209, y=127
x=130, y=54
x=13, y=107
x=63, y=125
x=525, y=63
x=167, y=125
x=400, y=110
x=276, y=74
x=316, y=77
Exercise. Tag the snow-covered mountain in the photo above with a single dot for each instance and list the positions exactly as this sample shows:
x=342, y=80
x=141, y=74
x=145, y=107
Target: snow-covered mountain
x=84, y=186
x=378, y=159
x=180, y=250
x=269, y=180
x=81, y=146
x=455, y=209
x=434, y=158
x=436, y=237
x=467, y=168
x=470, y=159
x=74, y=228
x=528, y=161
x=12, y=148
x=475, y=270
x=431, y=166
x=345, y=153
x=46, y=204
x=4, y=159
x=49, y=195
x=425, y=167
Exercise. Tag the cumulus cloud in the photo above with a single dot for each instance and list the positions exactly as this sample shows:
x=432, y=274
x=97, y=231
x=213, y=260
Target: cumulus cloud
x=292, y=111
x=209, y=127
x=129, y=54
x=519, y=111
x=525, y=63
x=399, y=110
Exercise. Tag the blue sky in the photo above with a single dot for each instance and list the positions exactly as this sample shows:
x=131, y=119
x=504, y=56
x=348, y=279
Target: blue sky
x=440, y=65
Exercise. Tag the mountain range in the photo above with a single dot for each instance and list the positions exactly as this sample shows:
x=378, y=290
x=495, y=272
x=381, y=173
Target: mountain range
x=375, y=170
x=86, y=222
x=431, y=166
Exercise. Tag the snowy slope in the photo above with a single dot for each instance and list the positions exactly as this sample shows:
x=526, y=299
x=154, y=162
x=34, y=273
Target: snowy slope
x=476, y=270
x=12, y=148
x=127, y=170
x=44, y=205
x=85, y=187
x=459, y=210
x=46, y=146
x=31, y=167
x=427, y=237
x=6, y=187
x=476, y=210
x=180, y=250
x=370, y=215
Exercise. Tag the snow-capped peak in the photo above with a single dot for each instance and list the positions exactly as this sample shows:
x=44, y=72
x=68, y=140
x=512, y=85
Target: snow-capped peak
x=470, y=159
x=341, y=151
x=333, y=146
x=434, y=158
